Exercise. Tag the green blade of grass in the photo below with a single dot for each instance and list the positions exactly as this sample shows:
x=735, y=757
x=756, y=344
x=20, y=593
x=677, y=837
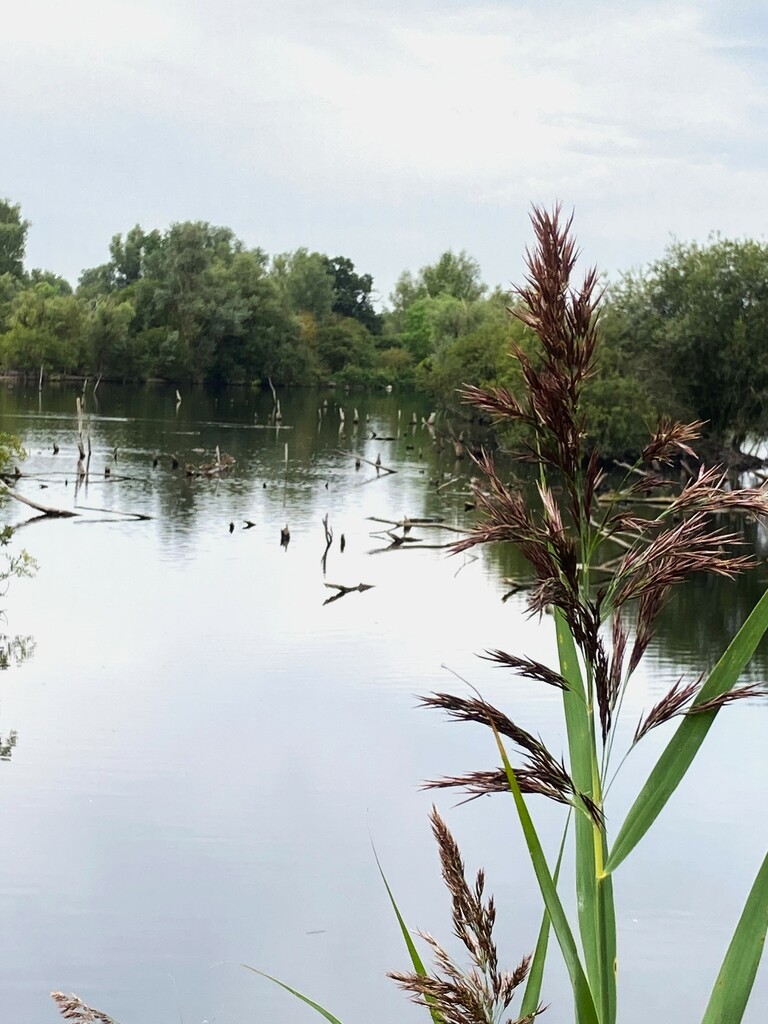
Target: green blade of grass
x=677, y=756
x=418, y=964
x=532, y=994
x=595, y=909
x=582, y=994
x=737, y=974
x=305, y=999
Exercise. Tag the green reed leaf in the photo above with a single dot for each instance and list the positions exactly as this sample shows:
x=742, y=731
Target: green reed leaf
x=305, y=999
x=532, y=994
x=582, y=994
x=418, y=963
x=677, y=756
x=737, y=975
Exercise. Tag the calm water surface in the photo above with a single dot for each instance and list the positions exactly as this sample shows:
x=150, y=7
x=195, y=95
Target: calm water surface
x=205, y=750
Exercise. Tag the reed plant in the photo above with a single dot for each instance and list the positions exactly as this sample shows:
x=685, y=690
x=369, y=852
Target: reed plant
x=604, y=623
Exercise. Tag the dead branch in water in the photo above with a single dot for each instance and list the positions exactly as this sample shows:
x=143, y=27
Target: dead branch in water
x=427, y=524
x=65, y=513
x=220, y=466
x=47, y=510
x=453, y=480
x=376, y=465
x=343, y=591
x=115, y=512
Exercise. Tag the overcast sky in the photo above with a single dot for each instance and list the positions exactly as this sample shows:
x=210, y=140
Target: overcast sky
x=385, y=130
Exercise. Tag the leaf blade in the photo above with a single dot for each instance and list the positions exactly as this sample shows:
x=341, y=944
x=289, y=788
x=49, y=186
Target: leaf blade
x=583, y=998
x=418, y=963
x=730, y=994
x=305, y=999
x=679, y=753
x=532, y=994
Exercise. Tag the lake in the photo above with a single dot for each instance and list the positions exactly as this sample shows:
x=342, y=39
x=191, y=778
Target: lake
x=206, y=751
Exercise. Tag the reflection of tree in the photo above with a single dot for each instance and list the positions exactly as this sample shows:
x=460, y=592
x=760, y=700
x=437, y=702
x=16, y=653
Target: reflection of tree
x=13, y=651
x=7, y=745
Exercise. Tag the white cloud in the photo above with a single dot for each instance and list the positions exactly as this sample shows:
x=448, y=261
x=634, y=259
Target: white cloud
x=644, y=114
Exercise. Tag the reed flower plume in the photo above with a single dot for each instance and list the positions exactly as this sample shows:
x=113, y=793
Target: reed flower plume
x=541, y=772
x=72, y=1007
x=684, y=699
x=560, y=531
x=482, y=993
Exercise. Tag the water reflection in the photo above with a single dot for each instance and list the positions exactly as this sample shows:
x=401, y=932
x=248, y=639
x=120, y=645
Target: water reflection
x=14, y=651
x=240, y=735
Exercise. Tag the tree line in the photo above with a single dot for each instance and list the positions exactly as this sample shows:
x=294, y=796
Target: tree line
x=684, y=336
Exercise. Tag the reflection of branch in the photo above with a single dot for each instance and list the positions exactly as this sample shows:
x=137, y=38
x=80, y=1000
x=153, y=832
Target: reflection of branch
x=328, y=541
x=343, y=591
x=398, y=544
x=472, y=558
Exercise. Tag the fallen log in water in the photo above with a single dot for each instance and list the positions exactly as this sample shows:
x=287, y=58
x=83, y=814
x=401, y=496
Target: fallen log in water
x=65, y=513
x=46, y=510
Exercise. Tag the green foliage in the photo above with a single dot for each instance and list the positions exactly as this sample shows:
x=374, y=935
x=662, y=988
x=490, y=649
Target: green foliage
x=18, y=566
x=482, y=356
x=44, y=329
x=344, y=341
x=107, y=336
x=695, y=322
x=194, y=303
x=397, y=366
x=454, y=274
x=12, y=565
x=11, y=452
x=685, y=337
x=13, y=239
x=59, y=284
x=620, y=413
x=306, y=282
x=352, y=293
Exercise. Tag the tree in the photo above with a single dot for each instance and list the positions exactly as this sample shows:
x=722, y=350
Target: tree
x=306, y=282
x=345, y=342
x=696, y=321
x=45, y=330
x=129, y=257
x=452, y=278
x=13, y=239
x=106, y=333
x=454, y=274
x=352, y=293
